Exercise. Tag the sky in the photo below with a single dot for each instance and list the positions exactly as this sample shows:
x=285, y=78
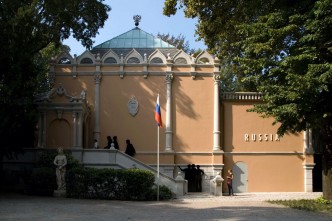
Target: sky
x=153, y=21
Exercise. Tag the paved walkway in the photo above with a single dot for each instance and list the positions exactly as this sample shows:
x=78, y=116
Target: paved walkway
x=250, y=206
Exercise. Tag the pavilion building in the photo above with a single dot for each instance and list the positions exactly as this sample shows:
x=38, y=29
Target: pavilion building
x=112, y=89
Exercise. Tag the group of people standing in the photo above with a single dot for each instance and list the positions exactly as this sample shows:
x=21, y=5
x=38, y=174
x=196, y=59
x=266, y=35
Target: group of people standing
x=194, y=175
x=113, y=144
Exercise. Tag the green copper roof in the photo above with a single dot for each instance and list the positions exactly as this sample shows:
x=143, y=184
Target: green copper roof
x=135, y=38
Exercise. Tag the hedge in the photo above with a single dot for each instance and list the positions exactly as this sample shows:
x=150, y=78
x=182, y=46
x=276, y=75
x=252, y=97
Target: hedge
x=92, y=183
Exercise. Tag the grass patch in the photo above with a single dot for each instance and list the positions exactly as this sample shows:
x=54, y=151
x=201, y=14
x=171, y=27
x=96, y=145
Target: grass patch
x=315, y=205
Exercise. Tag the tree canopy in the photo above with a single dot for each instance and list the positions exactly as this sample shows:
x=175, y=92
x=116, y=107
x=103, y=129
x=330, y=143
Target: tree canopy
x=179, y=42
x=279, y=47
x=26, y=29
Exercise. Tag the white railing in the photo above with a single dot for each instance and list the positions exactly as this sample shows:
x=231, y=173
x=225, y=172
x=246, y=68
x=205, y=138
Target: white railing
x=241, y=96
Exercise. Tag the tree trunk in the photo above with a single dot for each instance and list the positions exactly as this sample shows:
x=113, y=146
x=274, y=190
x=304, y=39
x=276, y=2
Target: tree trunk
x=327, y=184
x=327, y=162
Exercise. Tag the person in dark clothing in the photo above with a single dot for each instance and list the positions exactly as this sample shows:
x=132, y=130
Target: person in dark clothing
x=189, y=174
x=116, y=144
x=230, y=177
x=130, y=150
x=186, y=171
x=199, y=174
x=193, y=175
x=109, y=142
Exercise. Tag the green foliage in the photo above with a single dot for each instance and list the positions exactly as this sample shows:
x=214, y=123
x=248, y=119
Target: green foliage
x=318, y=205
x=26, y=28
x=42, y=64
x=42, y=182
x=179, y=42
x=321, y=200
x=131, y=184
x=164, y=193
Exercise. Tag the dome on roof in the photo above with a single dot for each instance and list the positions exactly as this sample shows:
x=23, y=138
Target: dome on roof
x=135, y=38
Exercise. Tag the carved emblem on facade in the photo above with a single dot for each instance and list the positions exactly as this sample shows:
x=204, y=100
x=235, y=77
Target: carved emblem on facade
x=133, y=106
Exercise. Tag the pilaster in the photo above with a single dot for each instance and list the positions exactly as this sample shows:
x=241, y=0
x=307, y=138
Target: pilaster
x=75, y=129
x=96, y=131
x=169, y=132
x=216, y=113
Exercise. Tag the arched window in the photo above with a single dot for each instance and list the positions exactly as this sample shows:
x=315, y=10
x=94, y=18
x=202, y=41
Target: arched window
x=110, y=60
x=156, y=60
x=86, y=61
x=180, y=61
x=64, y=60
x=133, y=60
x=203, y=61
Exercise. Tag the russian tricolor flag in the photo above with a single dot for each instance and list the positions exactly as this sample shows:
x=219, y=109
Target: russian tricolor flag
x=157, y=113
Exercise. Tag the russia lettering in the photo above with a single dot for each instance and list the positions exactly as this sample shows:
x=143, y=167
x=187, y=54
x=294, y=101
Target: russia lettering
x=261, y=137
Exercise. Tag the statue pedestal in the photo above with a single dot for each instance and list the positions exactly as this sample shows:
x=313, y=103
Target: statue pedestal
x=59, y=193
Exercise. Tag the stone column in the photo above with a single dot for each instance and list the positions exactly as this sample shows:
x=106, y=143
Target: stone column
x=169, y=132
x=308, y=164
x=216, y=113
x=308, y=149
x=96, y=130
x=80, y=130
x=41, y=130
x=74, y=129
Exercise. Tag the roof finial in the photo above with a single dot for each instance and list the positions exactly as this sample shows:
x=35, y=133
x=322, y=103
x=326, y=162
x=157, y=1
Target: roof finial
x=137, y=19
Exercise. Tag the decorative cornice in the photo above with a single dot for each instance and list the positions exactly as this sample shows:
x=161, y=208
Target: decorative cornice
x=264, y=153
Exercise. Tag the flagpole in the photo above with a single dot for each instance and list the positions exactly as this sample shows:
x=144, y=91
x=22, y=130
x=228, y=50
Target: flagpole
x=159, y=124
x=158, y=165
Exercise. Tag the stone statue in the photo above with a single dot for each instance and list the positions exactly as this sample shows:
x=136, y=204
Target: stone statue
x=60, y=161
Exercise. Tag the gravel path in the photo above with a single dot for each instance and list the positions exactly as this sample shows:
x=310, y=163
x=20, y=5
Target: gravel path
x=250, y=206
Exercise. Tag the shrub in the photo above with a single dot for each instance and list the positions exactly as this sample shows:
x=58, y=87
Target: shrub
x=164, y=193
x=131, y=184
x=42, y=182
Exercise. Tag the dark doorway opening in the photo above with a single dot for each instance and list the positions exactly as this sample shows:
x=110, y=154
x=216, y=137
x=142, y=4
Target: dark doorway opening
x=317, y=174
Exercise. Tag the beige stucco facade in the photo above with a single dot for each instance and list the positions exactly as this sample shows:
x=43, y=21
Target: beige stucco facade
x=200, y=125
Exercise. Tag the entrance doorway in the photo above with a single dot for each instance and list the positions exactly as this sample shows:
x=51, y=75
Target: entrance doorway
x=240, y=181
x=317, y=174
